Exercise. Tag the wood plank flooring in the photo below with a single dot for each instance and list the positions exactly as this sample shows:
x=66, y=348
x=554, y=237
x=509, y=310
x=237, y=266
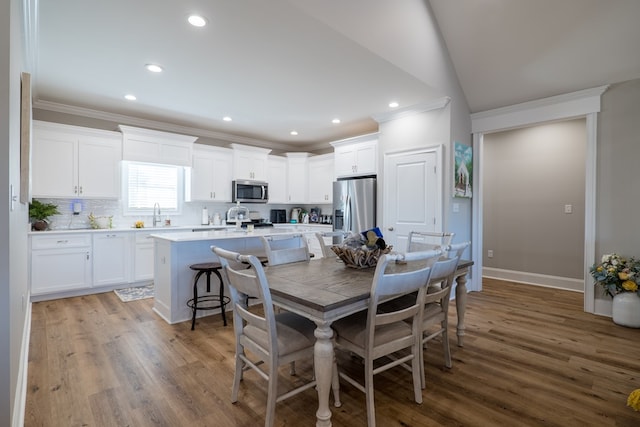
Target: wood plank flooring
x=531, y=358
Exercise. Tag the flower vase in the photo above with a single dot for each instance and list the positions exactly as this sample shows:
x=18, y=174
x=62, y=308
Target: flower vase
x=626, y=309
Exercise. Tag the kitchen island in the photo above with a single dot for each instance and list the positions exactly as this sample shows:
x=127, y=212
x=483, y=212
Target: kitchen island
x=175, y=252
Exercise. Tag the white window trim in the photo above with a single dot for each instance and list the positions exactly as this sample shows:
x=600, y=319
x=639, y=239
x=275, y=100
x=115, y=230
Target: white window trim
x=127, y=211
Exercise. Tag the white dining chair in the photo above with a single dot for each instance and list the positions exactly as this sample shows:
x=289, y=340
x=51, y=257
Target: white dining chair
x=272, y=339
x=428, y=240
x=285, y=249
x=372, y=335
x=326, y=248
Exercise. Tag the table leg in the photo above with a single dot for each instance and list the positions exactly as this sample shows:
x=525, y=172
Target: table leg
x=323, y=362
x=461, y=305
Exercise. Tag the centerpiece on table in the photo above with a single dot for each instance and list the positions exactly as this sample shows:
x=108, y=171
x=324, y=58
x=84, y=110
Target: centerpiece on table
x=362, y=250
x=620, y=278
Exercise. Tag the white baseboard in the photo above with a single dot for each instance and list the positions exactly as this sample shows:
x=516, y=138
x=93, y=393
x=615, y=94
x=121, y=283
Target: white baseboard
x=557, y=282
x=17, y=418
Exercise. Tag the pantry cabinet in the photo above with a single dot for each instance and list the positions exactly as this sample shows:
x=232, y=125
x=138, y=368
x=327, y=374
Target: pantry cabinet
x=75, y=162
x=357, y=158
x=250, y=162
x=321, y=170
x=211, y=174
x=60, y=263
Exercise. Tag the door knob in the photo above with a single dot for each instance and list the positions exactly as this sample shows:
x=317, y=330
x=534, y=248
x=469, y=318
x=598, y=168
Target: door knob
x=390, y=228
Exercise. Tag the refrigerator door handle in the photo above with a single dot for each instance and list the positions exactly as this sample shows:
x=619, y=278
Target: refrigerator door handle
x=347, y=214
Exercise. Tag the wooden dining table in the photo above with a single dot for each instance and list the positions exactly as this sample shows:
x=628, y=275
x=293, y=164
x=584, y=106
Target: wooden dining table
x=326, y=290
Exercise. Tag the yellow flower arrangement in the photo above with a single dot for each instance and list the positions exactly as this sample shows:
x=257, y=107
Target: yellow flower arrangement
x=617, y=274
x=634, y=400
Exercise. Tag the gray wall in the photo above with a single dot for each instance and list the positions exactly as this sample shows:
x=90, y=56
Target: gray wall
x=529, y=176
x=618, y=171
x=13, y=223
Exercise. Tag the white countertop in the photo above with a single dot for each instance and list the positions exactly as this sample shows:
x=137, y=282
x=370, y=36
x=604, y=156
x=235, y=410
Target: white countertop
x=230, y=234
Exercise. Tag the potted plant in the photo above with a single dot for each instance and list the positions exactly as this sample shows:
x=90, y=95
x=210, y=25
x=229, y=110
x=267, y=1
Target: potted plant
x=39, y=212
x=620, y=277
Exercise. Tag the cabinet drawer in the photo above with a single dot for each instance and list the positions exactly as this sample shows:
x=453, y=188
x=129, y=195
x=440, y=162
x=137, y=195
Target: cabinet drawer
x=61, y=241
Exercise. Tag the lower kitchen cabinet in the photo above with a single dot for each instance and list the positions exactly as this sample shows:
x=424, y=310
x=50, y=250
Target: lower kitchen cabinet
x=60, y=263
x=143, y=257
x=111, y=258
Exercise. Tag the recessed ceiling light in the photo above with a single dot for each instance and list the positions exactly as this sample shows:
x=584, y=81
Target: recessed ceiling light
x=226, y=118
x=197, y=20
x=335, y=121
x=294, y=133
x=393, y=104
x=154, y=68
x=130, y=97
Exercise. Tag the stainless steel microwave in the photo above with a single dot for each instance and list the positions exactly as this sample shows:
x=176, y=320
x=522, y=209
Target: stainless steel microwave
x=245, y=191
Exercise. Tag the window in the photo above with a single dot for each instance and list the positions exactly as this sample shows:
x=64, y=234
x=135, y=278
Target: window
x=146, y=184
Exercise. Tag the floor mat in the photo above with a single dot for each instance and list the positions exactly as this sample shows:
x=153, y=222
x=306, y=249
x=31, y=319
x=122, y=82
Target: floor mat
x=134, y=294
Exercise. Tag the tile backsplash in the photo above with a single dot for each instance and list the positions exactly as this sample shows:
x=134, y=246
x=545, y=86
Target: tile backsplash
x=191, y=212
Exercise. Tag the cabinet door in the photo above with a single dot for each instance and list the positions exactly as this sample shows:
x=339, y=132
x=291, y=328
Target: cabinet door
x=297, y=180
x=54, y=164
x=321, y=179
x=60, y=263
x=356, y=159
x=202, y=176
x=250, y=165
x=345, y=161
x=222, y=177
x=99, y=167
x=365, y=157
x=277, y=179
x=111, y=258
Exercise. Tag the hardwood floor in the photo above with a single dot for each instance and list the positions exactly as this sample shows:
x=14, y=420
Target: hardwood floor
x=531, y=358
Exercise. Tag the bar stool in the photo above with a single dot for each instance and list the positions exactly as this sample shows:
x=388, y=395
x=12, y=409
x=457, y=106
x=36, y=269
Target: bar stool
x=219, y=301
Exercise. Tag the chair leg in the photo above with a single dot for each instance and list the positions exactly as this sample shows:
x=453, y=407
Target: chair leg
x=272, y=395
x=445, y=347
x=221, y=295
x=368, y=386
x=238, y=375
x=292, y=368
x=423, y=380
x=417, y=368
x=195, y=299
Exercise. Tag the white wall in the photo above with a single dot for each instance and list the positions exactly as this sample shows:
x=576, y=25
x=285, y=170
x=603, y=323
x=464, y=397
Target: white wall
x=13, y=223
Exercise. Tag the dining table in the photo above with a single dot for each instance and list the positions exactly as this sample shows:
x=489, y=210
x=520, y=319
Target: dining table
x=325, y=290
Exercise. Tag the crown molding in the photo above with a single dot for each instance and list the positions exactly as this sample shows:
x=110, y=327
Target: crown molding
x=559, y=107
x=412, y=110
x=157, y=125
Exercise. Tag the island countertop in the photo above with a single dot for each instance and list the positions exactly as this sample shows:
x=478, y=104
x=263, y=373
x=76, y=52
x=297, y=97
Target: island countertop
x=232, y=233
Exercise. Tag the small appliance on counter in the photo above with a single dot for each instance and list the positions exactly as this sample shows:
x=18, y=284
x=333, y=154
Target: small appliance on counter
x=237, y=214
x=295, y=215
x=278, y=216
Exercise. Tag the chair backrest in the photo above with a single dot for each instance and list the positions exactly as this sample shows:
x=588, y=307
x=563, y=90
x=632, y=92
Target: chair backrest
x=443, y=272
x=285, y=249
x=337, y=237
x=249, y=282
x=389, y=281
x=428, y=240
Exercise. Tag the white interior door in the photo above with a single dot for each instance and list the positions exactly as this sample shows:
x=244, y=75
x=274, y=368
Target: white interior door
x=412, y=195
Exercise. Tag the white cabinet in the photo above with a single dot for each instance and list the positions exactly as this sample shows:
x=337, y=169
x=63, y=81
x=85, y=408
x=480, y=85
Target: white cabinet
x=250, y=162
x=143, y=256
x=111, y=259
x=70, y=161
x=297, y=177
x=277, y=179
x=356, y=158
x=321, y=170
x=211, y=174
x=151, y=146
x=60, y=263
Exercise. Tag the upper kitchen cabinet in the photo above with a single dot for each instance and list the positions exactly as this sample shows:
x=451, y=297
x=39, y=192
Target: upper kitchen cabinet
x=277, y=179
x=250, y=162
x=297, y=177
x=211, y=173
x=152, y=146
x=356, y=156
x=75, y=162
x=321, y=171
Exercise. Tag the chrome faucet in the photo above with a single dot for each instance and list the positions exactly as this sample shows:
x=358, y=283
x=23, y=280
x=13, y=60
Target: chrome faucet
x=156, y=216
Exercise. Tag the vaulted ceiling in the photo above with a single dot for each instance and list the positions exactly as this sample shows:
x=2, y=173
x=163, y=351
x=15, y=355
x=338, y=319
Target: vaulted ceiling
x=295, y=65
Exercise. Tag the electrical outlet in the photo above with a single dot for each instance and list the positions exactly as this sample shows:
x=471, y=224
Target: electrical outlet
x=490, y=253
x=568, y=209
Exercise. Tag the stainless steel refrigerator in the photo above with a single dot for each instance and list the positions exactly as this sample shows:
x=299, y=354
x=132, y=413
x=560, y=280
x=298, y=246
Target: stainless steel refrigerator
x=354, y=204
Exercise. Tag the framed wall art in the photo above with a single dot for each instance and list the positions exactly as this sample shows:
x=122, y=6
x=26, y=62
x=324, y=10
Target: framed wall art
x=463, y=170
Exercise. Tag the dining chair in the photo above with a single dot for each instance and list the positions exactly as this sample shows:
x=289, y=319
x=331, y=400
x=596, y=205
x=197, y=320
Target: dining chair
x=285, y=249
x=428, y=240
x=372, y=335
x=326, y=248
x=272, y=339
x=435, y=311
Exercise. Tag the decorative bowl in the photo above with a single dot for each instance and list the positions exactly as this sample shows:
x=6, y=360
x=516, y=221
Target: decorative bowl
x=358, y=257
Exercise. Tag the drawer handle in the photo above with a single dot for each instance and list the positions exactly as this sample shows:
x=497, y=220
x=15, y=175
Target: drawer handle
x=63, y=241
